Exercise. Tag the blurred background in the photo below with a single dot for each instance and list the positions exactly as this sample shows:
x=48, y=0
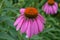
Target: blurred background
x=9, y=11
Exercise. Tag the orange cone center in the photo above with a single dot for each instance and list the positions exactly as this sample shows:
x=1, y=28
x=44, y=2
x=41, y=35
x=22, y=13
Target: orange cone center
x=31, y=12
x=50, y=2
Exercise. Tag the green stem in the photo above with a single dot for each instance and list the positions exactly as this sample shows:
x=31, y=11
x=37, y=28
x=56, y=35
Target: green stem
x=20, y=36
x=29, y=39
x=35, y=3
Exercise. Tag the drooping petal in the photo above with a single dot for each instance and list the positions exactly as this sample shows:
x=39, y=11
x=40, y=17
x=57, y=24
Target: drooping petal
x=42, y=19
x=20, y=24
x=30, y=29
x=45, y=7
x=18, y=20
x=35, y=27
x=47, y=10
x=22, y=10
x=56, y=5
x=51, y=10
x=55, y=9
x=24, y=26
x=40, y=25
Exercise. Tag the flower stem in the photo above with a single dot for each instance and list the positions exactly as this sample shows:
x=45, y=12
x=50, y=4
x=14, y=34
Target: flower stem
x=35, y=3
x=29, y=39
x=20, y=36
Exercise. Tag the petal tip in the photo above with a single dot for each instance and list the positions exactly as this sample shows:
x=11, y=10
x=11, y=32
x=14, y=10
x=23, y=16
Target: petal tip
x=22, y=10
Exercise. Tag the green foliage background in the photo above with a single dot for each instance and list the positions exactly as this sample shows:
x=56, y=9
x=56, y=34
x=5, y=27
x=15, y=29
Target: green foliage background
x=9, y=11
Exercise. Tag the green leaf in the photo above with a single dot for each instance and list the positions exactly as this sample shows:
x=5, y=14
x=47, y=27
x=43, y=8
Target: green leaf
x=4, y=35
x=8, y=3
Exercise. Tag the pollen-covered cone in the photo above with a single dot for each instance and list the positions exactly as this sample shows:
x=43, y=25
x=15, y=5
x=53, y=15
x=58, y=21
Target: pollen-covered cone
x=50, y=7
x=29, y=21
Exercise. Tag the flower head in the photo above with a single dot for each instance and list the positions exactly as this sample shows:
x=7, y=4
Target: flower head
x=50, y=7
x=30, y=22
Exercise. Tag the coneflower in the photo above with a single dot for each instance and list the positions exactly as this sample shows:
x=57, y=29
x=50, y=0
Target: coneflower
x=50, y=7
x=29, y=21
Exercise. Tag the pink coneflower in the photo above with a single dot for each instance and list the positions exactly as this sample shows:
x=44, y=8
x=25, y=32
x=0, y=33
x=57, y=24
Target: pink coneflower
x=29, y=22
x=50, y=7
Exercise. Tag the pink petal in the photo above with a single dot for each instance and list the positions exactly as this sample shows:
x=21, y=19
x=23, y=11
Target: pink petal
x=22, y=10
x=20, y=24
x=24, y=26
x=40, y=25
x=46, y=7
x=35, y=27
x=30, y=29
x=18, y=20
x=56, y=5
x=47, y=10
x=42, y=19
x=51, y=10
x=55, y=9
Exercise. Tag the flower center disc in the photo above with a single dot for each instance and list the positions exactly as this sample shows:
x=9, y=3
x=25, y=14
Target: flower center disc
x=31, y=12
x=50, y=2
